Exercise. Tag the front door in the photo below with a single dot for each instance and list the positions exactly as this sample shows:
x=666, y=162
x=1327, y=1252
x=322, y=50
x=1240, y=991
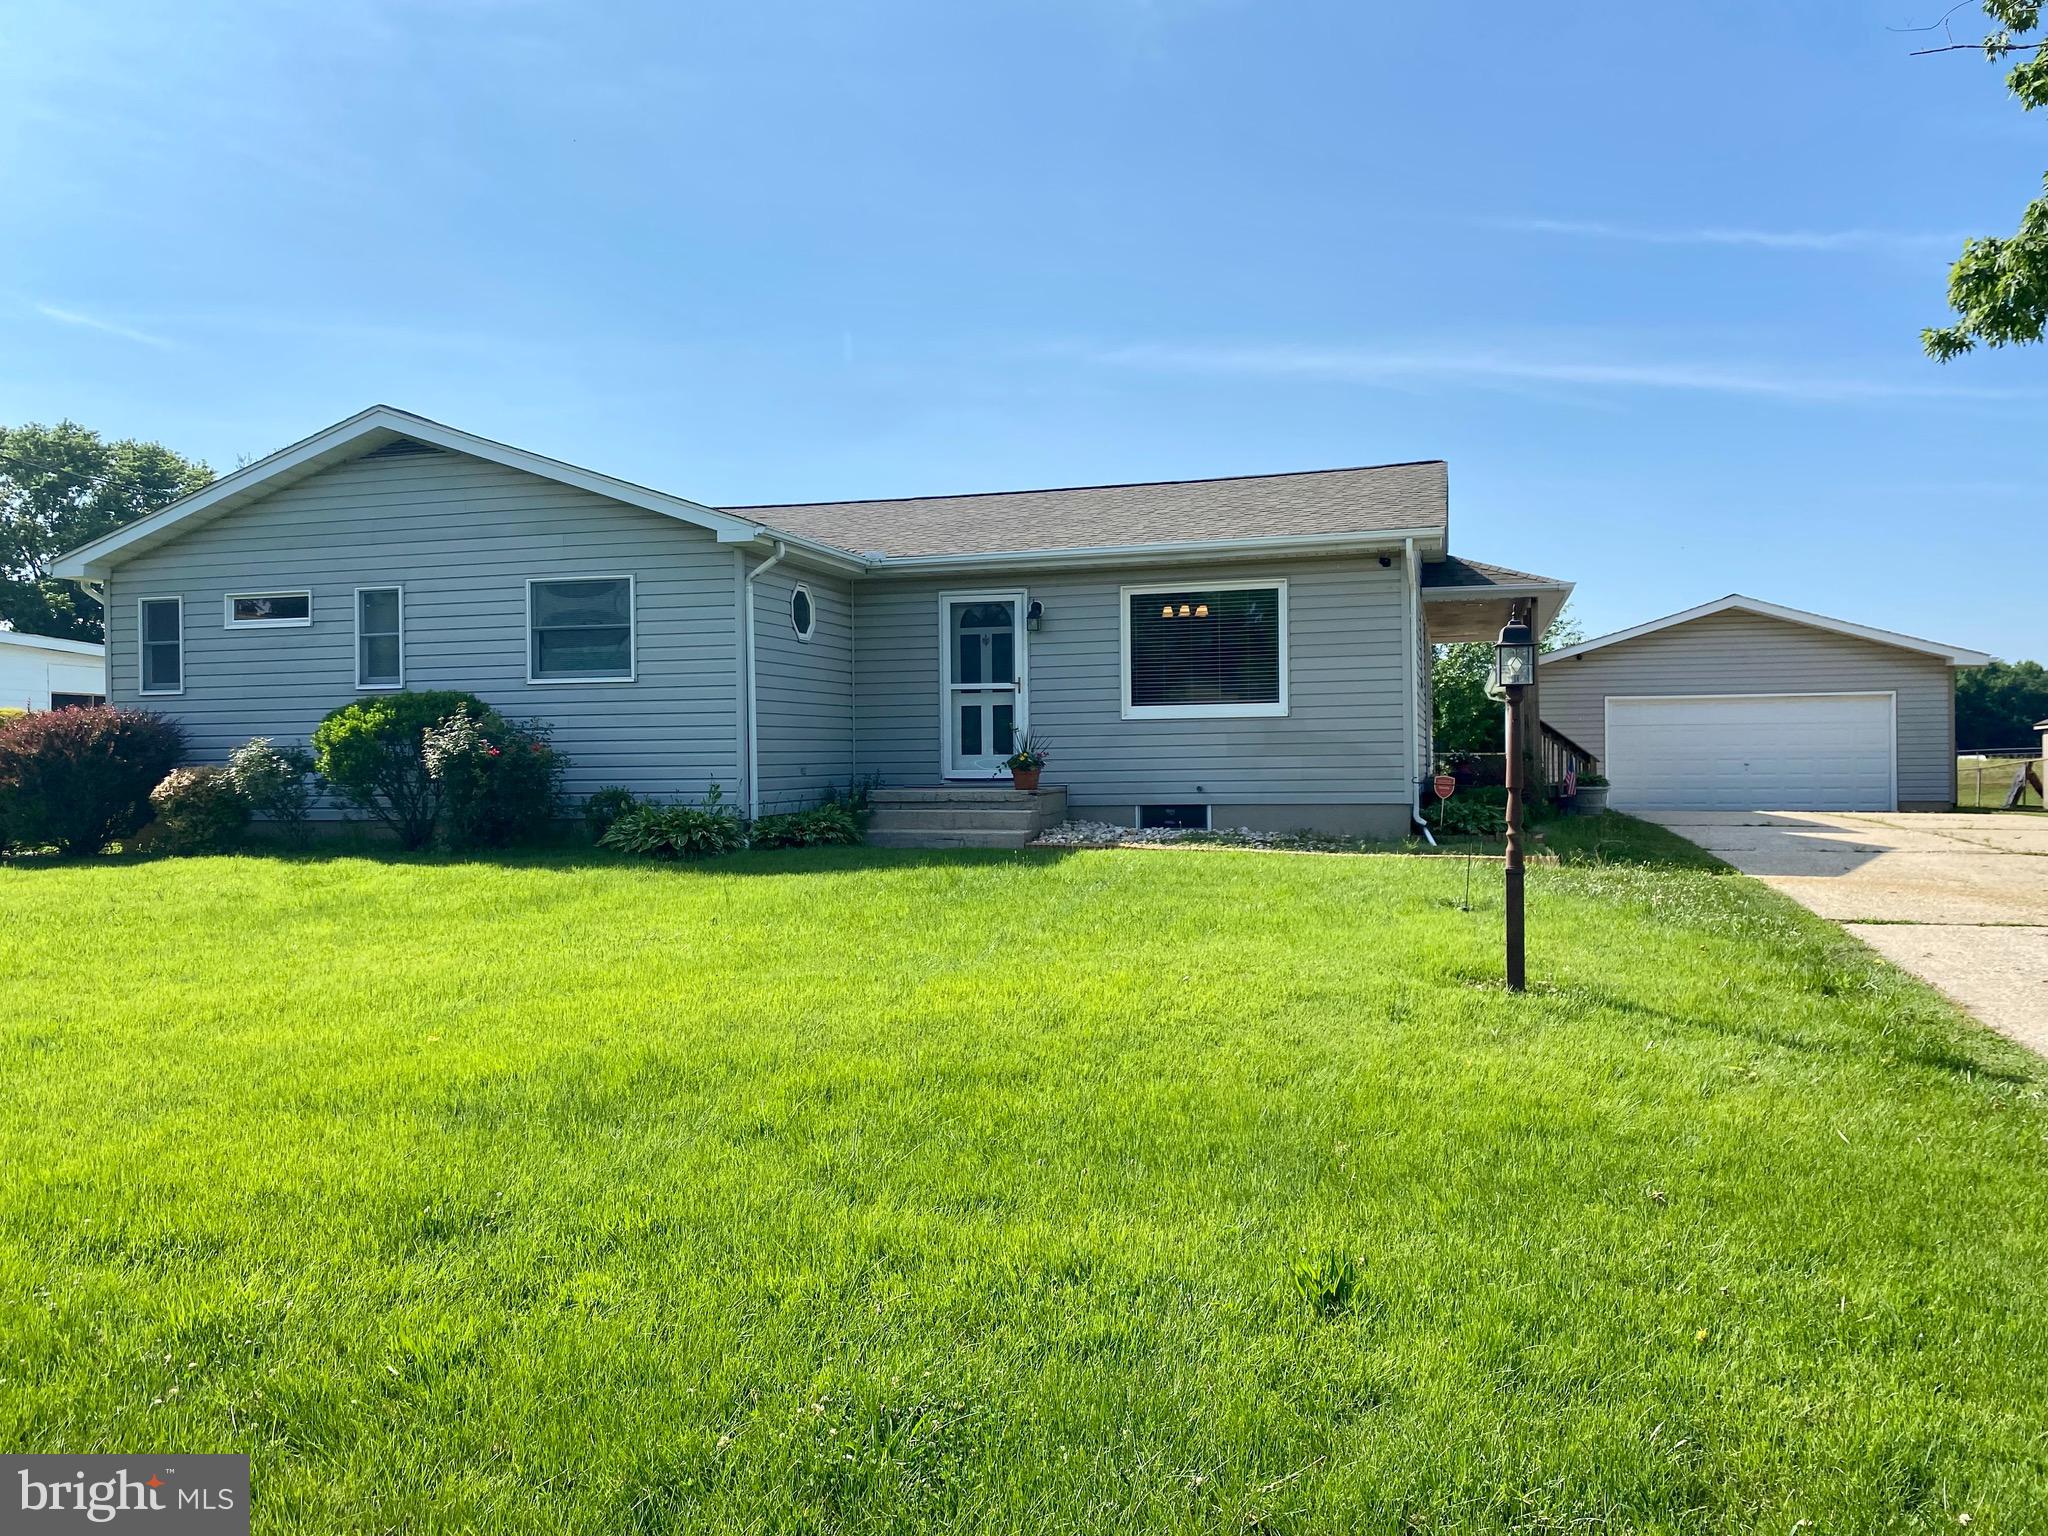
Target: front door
x=983, y=637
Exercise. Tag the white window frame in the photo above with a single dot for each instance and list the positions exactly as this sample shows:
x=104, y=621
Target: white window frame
x=231, y=597
x=811, y=598
x=1271, y=710
x=632, y=630
x=142, y=643
x=381, y=586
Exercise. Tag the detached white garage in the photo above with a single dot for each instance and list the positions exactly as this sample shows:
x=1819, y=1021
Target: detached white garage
x=1742, y=705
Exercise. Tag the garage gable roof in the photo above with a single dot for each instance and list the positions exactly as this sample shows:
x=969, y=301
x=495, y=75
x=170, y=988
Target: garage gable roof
x=1735, y=602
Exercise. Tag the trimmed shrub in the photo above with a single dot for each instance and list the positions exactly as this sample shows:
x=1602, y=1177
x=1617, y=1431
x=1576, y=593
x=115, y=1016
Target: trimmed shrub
x=831, y=824
x=373, y=754
x=500, y=780
x=79, y=779
x=679, y=831
x=278, y=784
x=605, y=806
x=198, y=810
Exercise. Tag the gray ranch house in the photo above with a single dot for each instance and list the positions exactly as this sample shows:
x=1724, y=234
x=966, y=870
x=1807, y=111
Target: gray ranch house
x=1244, y=652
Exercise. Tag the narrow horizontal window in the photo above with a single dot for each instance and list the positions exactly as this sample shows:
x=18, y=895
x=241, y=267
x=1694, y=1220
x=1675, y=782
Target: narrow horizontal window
x=76, y=700
x=580, y=631
x=253, y=610
x=161, y=651
x=380, y=637
x=1180, y=818
x=1211, y=651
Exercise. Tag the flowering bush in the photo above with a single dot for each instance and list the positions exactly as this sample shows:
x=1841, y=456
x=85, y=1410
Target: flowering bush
x=278, y=784
x=500, y=782
x=678, y=831
x=198, y=810
x=372, y=753
x=78, y=779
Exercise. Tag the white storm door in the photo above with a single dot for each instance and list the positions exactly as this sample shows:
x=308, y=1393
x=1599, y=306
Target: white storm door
x=983, y=698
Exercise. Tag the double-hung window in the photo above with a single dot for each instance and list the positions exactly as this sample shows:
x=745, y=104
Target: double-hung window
x=1205, y=652
x=160, y=652
x=380, y=637
x=579, y=630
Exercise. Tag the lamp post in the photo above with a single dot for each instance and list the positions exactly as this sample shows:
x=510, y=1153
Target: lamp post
x=1514, y=669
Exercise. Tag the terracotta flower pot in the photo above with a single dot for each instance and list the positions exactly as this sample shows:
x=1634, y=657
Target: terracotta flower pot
x=1025, y=778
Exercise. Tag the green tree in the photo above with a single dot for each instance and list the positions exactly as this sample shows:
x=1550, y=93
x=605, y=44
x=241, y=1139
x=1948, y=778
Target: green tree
x=1996, y=706
x=1999, y=287
x=64, y=486
x=1466, y=719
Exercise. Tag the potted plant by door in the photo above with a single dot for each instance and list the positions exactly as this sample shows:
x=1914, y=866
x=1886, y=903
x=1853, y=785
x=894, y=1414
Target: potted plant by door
x=1026, y=763
x=1592, y=797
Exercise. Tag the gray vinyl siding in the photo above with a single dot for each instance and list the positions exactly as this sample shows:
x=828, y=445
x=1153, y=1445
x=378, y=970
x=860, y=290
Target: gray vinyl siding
x=461, y=536
x=1748, y=653
x=1344, y=739
x=804, y=690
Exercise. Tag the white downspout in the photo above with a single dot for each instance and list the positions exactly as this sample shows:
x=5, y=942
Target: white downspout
x=753, y=721
x=1416, y=660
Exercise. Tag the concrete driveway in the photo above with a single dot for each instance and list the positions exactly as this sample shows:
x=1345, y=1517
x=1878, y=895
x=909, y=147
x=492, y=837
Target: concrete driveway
x=1959, y=900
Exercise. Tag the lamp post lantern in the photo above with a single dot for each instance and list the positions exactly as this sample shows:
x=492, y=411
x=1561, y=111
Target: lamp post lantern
x=1514, y=669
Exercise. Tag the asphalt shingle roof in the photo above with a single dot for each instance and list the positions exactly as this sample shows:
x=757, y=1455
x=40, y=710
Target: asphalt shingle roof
x=1456, y=573
x=1374, y=499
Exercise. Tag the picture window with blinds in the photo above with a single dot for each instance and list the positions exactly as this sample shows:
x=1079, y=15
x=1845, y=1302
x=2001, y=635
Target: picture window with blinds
x=1210, y=652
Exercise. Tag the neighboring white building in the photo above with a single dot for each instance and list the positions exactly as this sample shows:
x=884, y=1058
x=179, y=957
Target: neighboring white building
x=42, y=672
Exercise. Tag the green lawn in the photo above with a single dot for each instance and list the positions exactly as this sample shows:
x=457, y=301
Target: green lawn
x=857, y=1191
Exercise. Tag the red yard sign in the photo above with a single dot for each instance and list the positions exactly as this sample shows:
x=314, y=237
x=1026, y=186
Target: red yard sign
x=1445, y=786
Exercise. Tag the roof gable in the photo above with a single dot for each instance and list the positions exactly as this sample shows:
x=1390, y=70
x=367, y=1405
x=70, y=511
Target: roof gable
x=379, y=430
x=1735, y=602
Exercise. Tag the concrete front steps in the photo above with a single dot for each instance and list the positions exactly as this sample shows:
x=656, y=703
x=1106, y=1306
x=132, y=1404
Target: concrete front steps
x=962, y=816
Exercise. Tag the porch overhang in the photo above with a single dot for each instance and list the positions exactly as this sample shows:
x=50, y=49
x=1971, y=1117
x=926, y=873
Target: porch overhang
x=1465, y=600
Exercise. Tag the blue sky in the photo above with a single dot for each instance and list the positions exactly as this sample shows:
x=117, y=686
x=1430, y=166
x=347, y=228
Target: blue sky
x=1650, y=277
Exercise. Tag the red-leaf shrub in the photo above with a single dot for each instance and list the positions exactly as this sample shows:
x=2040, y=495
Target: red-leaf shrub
x=79, y=779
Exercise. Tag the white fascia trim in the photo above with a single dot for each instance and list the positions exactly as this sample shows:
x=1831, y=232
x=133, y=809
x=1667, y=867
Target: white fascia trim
x=1505, y=589
x=1955, y=656
x=1388, y=542
x=53, y=643
x=91, y=559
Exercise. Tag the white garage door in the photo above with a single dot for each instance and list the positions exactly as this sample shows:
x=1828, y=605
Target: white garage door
x=1751, y=752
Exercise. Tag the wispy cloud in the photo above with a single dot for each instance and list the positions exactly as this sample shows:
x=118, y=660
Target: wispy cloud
x=1501, y=368
x=105, y=327
x=1882, y=240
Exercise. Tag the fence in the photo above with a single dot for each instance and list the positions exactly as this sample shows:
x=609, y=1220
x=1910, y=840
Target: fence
x=1559, y=755
x=1984, y=780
